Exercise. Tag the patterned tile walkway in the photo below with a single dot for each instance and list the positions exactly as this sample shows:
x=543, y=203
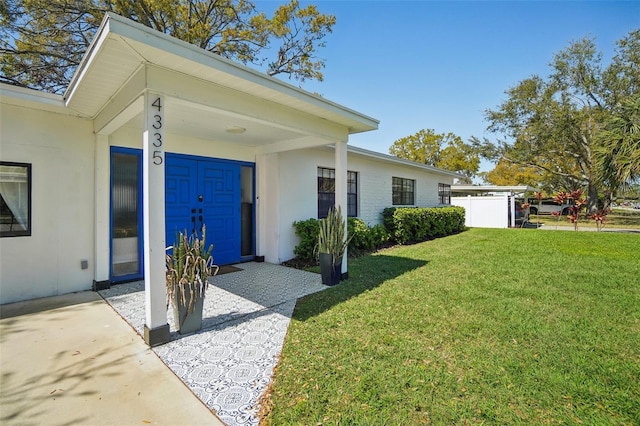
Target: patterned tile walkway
x=228, y=364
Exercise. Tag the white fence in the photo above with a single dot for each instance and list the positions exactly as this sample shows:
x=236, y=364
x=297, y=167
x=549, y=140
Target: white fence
x=485, y=212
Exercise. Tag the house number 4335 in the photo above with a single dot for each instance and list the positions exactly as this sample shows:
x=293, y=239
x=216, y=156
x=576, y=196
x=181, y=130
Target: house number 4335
x=157, y=123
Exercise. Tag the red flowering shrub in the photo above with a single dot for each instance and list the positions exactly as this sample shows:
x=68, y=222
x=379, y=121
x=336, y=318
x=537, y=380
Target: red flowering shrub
x=600, y=218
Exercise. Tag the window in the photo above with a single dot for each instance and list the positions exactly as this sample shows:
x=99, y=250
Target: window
x=15, y=199
x=444, y=193
x=403, y=191
x=327, y=192
x=126, y=214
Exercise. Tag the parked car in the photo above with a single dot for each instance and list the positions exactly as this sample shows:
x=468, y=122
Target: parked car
x=549, y=207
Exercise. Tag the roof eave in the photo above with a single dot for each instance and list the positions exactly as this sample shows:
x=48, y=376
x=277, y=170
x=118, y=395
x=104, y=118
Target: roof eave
x=402, y=161
x=99, y=38
x=127, y=29
x=21, y=96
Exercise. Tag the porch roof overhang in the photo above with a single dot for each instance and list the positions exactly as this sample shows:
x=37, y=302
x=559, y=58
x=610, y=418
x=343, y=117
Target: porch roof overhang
x=206, y=93
x=485, y=189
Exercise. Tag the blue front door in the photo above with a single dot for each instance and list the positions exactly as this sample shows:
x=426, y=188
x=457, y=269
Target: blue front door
x=201, y=191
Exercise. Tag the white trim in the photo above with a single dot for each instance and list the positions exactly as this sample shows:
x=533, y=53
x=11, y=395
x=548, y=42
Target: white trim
x=474, y=189
x=22, y=96
x=94, y=48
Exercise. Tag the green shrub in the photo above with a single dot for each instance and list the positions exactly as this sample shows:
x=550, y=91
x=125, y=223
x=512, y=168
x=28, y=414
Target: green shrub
x=360, y=231
x=364, y=239
x=308, y=231
x=379, y=235
x=408, y=225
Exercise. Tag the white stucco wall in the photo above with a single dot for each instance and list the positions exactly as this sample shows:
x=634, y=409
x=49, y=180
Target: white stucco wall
x=298, y=193
x=60, y=149
x=130, y=137
x=299, y=198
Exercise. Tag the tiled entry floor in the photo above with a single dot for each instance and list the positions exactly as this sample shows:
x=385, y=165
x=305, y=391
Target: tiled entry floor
x=228, y=364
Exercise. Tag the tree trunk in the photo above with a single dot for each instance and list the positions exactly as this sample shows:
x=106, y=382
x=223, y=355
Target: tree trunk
x=592, y=198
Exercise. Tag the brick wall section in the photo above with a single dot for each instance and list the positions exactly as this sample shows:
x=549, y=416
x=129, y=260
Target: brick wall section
x=299, y=202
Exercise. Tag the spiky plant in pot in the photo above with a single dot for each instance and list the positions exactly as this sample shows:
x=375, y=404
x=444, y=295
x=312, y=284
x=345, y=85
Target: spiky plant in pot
x=188, y=269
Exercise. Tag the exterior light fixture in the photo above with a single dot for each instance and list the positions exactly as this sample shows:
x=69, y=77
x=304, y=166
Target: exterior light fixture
x=236, y=130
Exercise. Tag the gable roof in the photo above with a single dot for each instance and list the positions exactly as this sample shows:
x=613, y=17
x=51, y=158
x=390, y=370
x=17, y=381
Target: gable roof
x=121, y=46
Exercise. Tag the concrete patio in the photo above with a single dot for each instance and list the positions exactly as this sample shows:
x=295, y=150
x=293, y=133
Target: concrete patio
x=229, y=363
x=72, y=360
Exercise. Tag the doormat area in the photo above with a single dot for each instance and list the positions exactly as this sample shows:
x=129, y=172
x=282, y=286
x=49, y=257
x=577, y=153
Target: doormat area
x=227, y=269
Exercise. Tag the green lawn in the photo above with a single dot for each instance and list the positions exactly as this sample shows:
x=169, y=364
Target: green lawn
x=489, y=326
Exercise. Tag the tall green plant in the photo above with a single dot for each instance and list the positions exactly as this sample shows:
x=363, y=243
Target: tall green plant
x=332, y=238
x=189, y=268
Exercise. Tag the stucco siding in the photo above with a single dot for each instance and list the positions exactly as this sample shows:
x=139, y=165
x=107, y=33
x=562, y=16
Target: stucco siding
x=131, y=137
x=298, y=193
x=60, y=149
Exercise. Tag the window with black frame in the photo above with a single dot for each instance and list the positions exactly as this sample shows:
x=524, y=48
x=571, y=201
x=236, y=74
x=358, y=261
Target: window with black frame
x=403, y=191
x=15, y=199
x=444, y=193
x=327, y=192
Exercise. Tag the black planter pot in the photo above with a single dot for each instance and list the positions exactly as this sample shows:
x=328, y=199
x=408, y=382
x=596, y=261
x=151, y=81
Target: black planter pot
x=330, y=273
x=191, y=322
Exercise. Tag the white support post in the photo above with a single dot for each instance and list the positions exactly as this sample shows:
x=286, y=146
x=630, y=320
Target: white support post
x=341, y=188
x=101, y=213
x=156, y=329
x=512, y=210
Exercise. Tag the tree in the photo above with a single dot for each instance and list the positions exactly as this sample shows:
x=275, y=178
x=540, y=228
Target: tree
x=446, y=151
x=507, y=173
x=553, y=124
x=618, y=155
x=43, y=41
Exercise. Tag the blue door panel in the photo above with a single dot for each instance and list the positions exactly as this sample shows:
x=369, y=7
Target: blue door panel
x=220, y=185
x=179, y=175
x=204, y=191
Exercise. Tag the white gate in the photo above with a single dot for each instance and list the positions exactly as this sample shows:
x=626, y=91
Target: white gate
x=484, y=212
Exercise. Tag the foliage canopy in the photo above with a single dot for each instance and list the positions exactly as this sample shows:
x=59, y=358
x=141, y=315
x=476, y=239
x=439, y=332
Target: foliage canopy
x=43, y=41
x=564, y=124
x=507, y=173
x=446, y=151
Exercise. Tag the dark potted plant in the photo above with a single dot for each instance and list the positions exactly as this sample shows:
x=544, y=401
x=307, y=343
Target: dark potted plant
x=332, y=243
x=188, y=270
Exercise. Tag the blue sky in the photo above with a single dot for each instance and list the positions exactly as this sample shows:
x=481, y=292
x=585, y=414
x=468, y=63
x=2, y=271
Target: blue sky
x=440, y=64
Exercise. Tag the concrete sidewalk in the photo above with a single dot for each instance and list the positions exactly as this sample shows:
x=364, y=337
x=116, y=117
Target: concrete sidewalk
x=565, y=227
x=72, y=360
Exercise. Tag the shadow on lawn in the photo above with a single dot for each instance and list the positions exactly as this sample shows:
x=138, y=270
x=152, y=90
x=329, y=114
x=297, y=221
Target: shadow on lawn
x=365, y=273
